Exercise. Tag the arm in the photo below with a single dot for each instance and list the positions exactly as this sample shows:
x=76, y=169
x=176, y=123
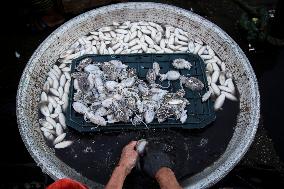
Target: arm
x=117, y=178
x=167, y=179
x=126, y=163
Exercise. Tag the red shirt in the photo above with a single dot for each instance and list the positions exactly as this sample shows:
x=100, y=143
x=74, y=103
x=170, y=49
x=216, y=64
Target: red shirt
x=67, y=184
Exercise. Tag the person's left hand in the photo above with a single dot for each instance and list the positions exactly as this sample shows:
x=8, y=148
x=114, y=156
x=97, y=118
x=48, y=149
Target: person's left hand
x=128, y=157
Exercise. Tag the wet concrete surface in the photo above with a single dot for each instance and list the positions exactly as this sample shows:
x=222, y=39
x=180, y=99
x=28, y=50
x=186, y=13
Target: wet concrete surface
x=261, y=167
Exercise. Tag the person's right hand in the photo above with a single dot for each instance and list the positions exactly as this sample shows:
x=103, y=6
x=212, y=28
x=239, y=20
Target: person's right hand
x=154, y=160
x=128, y=157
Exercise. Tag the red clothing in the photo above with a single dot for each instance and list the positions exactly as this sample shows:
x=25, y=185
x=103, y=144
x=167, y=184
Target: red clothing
x=67, y=184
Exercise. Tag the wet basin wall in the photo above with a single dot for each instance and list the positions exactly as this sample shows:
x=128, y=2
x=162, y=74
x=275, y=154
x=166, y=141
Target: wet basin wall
x=36, y=70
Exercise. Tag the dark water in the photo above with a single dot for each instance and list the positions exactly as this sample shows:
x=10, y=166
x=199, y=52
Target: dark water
x=95, y=155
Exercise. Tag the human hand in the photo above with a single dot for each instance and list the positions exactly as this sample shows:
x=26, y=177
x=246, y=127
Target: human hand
x=155, y=159
x=128, y=157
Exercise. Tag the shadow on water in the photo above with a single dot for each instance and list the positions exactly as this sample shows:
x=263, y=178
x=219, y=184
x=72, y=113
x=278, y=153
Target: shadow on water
x=95, y=155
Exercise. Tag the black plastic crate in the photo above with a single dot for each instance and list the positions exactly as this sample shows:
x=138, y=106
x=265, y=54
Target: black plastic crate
x=199, y=113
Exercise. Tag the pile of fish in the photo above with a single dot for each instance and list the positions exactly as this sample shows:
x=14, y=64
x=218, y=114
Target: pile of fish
x=110, y=92
x=53, y=104
x=126, y=38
